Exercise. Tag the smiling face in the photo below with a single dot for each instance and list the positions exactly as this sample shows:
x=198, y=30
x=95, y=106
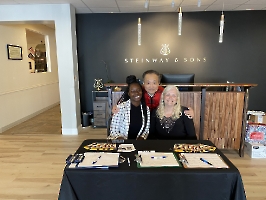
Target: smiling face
x=151, y=83
x=135, y=93
x=170, y=97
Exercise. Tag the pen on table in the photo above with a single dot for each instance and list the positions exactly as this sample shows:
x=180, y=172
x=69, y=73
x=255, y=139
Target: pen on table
x=157, y=157
x=128, y=161
x=96, y=160
x=205, y=161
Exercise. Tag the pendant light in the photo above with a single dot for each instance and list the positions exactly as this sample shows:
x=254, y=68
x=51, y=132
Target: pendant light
x=221, y=28
x=221, y=33
x=139, y=31
x=179, y=21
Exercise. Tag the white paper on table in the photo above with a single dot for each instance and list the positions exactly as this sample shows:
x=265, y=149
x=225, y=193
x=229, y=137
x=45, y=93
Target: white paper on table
x=99, y=159
x=193, y=160
x=158, y=159
x=126, y=148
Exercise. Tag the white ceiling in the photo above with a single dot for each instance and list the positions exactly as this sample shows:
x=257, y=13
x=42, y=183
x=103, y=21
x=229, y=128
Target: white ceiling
x=134, y=6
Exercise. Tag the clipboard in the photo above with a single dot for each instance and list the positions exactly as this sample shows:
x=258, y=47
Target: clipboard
x=202, y=160
x=158, y=159
x=97, y=160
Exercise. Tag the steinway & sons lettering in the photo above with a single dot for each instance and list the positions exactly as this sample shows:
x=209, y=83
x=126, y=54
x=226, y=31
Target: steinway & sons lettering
x=163, y=60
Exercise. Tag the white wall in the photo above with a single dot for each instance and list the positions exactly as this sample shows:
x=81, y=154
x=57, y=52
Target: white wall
x=24, y=94
x=64, y=17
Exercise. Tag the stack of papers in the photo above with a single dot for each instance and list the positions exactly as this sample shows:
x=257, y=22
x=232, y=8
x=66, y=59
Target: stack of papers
x=99, y=160
x=202, y=160
x=158, y=159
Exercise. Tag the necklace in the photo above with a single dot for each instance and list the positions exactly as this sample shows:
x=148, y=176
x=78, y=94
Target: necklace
x=167, y=123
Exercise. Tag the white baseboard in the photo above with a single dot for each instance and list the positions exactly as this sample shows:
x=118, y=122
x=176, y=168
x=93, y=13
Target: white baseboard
x=68, y=131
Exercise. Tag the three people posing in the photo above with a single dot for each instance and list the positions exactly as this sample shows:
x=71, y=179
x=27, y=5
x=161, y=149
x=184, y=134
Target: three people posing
x=152, y=96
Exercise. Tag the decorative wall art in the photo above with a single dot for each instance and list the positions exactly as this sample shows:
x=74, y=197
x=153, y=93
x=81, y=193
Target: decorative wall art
x=31, y=56
x=14, y=52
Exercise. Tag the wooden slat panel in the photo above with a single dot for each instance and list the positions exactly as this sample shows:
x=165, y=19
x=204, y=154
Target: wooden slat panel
x=214, y=107
x=220, y=121
x=233, y=131
x=228, y=119
x=193, y=100
x=223, y=118
x=239, y=115
x=206, y=116
x=216, y=114
x=197, y=111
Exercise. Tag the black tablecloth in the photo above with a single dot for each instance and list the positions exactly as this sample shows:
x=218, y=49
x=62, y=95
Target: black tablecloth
x=129, y=182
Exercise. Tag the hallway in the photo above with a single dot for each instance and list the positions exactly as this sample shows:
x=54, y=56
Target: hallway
x=32, y=156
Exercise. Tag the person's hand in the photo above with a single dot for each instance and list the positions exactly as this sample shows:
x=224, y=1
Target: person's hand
x=120, y=138
x=189, y=113
x=115, y=110
x=111, y=139
x=140, y=138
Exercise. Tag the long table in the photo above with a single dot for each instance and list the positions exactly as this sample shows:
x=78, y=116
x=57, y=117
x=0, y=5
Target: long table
x=220, y=110
x=131, y=182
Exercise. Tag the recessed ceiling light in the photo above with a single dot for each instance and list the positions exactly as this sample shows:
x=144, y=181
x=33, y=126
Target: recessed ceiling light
x=199, y=3
x=146, y=5
x=173, y=4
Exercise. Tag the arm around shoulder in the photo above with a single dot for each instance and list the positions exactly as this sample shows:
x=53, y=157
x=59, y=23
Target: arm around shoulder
x=190, y=128
x=189, y=112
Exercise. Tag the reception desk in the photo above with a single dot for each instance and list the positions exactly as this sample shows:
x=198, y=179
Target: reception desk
x=220, y=110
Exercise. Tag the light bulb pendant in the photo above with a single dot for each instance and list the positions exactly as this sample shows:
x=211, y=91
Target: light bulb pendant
x=221, y=29
x=179, y=21
x=139, y=31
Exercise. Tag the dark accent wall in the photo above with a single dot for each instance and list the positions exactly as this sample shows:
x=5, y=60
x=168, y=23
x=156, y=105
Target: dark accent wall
x=112, y=38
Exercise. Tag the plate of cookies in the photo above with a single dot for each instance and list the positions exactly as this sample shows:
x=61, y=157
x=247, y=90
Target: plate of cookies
x=100, y=146
x=193, y=148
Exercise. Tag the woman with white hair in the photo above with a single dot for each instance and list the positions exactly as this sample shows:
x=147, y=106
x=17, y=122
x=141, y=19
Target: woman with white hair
x=168, y=121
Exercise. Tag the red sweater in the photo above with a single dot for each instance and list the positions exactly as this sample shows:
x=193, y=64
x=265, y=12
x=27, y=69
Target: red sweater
x=153, y=102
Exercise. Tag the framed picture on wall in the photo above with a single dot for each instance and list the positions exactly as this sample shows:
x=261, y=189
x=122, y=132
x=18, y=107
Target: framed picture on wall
x=14, y=52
